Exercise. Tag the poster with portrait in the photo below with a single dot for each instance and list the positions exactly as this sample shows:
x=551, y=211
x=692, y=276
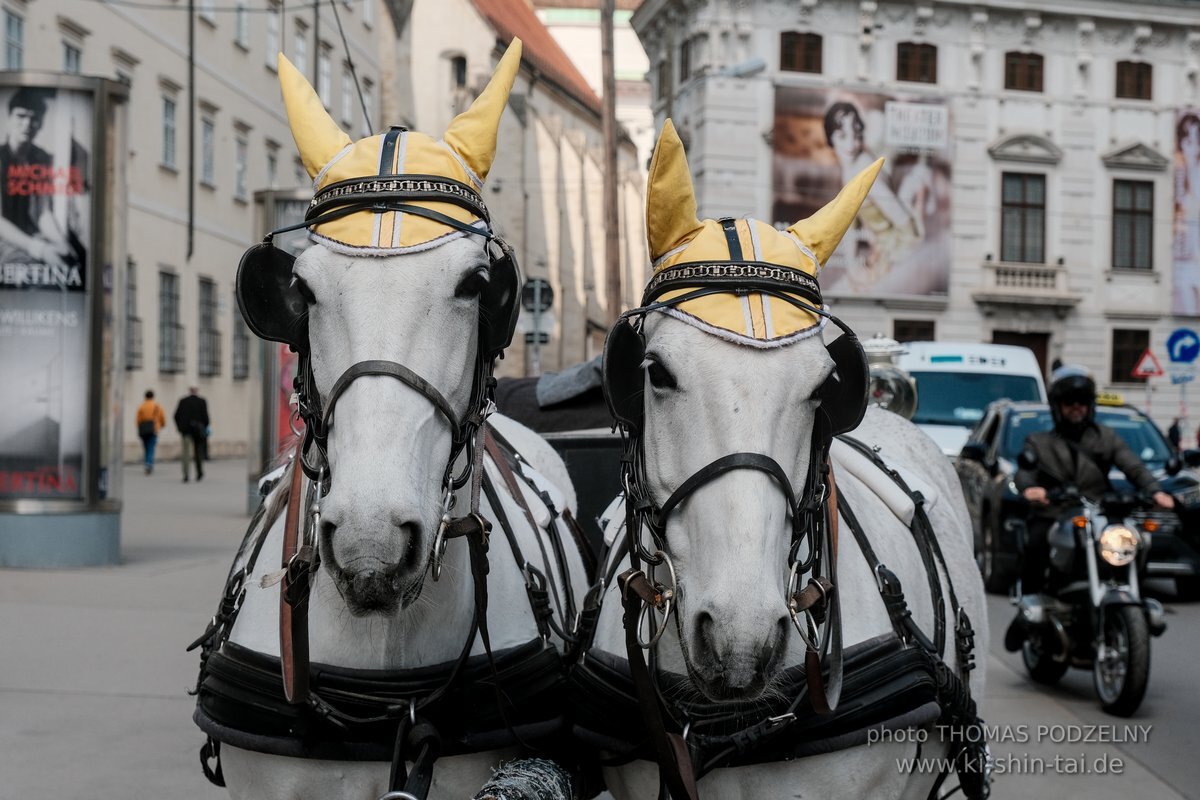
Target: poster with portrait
x=1185, y=297
x=45, y=278
x=900, y=243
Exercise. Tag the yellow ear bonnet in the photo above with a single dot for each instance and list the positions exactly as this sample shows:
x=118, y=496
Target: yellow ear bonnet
x=676, y=236
x=464, y=154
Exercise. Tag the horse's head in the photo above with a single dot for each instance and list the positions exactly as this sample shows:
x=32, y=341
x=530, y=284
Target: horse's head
x=731, y=365
x=399, y=308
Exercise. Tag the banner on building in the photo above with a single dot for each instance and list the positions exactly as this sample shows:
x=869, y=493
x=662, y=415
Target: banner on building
x=1185, y=297
x=900, y=244
x=45, y=277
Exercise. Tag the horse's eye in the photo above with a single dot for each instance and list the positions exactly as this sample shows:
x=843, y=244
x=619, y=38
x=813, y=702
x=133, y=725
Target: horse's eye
x=303, y=289
x=473, y=284
x=660, y=376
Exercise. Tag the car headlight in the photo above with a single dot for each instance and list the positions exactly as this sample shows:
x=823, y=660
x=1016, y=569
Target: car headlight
x=1119, y=545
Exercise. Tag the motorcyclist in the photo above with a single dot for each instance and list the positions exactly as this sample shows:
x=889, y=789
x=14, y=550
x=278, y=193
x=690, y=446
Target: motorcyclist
x=1078, y=451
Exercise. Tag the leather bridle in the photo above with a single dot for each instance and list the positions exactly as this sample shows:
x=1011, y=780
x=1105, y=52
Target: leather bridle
x=814, y=607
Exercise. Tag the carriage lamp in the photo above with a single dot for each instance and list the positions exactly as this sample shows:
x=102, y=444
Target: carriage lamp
x=1119, y=545
x=890, y=387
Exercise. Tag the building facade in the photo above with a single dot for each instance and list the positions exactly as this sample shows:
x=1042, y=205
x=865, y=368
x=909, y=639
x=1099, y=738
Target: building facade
x=207, y=130
x=1041, y=186
x=545, y=188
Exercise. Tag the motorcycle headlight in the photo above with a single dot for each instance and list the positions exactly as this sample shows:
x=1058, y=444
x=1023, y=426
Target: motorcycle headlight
x=1119, y=545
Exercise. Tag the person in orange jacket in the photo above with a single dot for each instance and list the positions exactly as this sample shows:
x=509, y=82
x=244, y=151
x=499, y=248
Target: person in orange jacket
x=150, y=420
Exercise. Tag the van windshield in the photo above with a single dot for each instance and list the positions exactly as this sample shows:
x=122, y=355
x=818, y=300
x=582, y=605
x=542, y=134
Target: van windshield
x=959, y=398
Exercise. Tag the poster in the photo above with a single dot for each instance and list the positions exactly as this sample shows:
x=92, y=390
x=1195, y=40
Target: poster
x=45, y=278
x=900, y=244
x=1185, y=296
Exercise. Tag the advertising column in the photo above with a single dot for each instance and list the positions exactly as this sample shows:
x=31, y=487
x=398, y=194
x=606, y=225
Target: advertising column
x=58, y=506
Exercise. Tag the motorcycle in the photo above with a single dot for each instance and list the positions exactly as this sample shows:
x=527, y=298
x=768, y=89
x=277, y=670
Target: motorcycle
x=1091, y=614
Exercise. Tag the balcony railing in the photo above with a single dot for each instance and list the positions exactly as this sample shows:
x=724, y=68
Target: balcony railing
x=1009, y=283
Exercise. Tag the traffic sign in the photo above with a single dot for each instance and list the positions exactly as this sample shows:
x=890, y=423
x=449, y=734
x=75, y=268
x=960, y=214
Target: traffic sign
x=1183, y=345
x=537, y=295
x=1148, y=366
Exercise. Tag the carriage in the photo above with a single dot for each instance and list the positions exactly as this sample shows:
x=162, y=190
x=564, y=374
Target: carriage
x=415, y=603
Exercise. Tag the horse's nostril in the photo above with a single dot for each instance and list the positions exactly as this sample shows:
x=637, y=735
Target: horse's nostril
x=704, y=631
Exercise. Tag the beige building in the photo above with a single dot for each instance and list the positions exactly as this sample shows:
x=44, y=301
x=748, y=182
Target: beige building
x=190, y=209
x=575, y=25
x=545, y=188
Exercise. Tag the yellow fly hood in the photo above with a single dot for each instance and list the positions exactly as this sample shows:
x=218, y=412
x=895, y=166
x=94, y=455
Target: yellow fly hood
x=677, y=236
x=464, y=154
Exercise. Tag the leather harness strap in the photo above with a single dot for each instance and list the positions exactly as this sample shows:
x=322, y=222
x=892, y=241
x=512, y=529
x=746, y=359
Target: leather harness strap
x=293, y=596
x=671, y=751
x=824, y=695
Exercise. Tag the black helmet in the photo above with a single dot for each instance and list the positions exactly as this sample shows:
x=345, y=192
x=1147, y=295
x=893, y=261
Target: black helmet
x=1071, y=383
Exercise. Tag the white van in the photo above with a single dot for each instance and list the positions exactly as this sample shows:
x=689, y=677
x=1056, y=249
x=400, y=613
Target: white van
x=956, y=381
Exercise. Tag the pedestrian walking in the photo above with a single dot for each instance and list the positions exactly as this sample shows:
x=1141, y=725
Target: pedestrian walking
x=191, y=418
x=1175, y=434
x=150, y=420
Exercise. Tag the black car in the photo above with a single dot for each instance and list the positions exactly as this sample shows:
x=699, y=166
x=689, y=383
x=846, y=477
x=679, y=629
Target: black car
x=987, y=465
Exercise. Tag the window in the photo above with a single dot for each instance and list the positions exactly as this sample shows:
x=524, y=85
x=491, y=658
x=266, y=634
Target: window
x=241, y=25
x=299, y=172
x=685, y=60
x=170, y=332
x=72, y=58
x=272, y=165
x=241, y=346
x=209, y=362
x=168, y=132
x=913, y=330
x=916, y=62
x=1133, y=225
x=240, y=156
x=208, y=146
x=369, y=13
x=347, y=96
x=1023, y=71
x=1023, y=218
x=800, y=52
x=325, y=75
x=273, y=11
x=662, y=87
x=1133, y=80
x=206, y=11
x=458, y=72
x=14, y=40
x=1127, y=349
x=300, y=48
x=133, y=323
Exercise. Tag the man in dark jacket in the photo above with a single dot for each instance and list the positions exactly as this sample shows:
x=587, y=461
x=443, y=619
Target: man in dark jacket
x=191, y=418
x=1077, y=452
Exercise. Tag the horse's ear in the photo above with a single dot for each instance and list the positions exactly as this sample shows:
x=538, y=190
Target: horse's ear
x=318, y=137
x=670, y=196
x=472, y=134
x=823, y=231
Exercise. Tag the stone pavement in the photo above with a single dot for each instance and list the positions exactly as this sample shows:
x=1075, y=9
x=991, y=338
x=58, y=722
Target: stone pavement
x=94, y=677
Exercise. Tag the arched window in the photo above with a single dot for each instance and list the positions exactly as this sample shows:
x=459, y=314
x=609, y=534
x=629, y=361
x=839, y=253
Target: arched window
x=800, y=52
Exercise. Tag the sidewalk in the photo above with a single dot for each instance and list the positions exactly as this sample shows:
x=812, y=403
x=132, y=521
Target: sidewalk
x=94, y=677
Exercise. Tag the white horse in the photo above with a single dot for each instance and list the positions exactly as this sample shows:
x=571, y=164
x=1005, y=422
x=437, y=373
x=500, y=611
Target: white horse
x=704, y=394
x=374, y=613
